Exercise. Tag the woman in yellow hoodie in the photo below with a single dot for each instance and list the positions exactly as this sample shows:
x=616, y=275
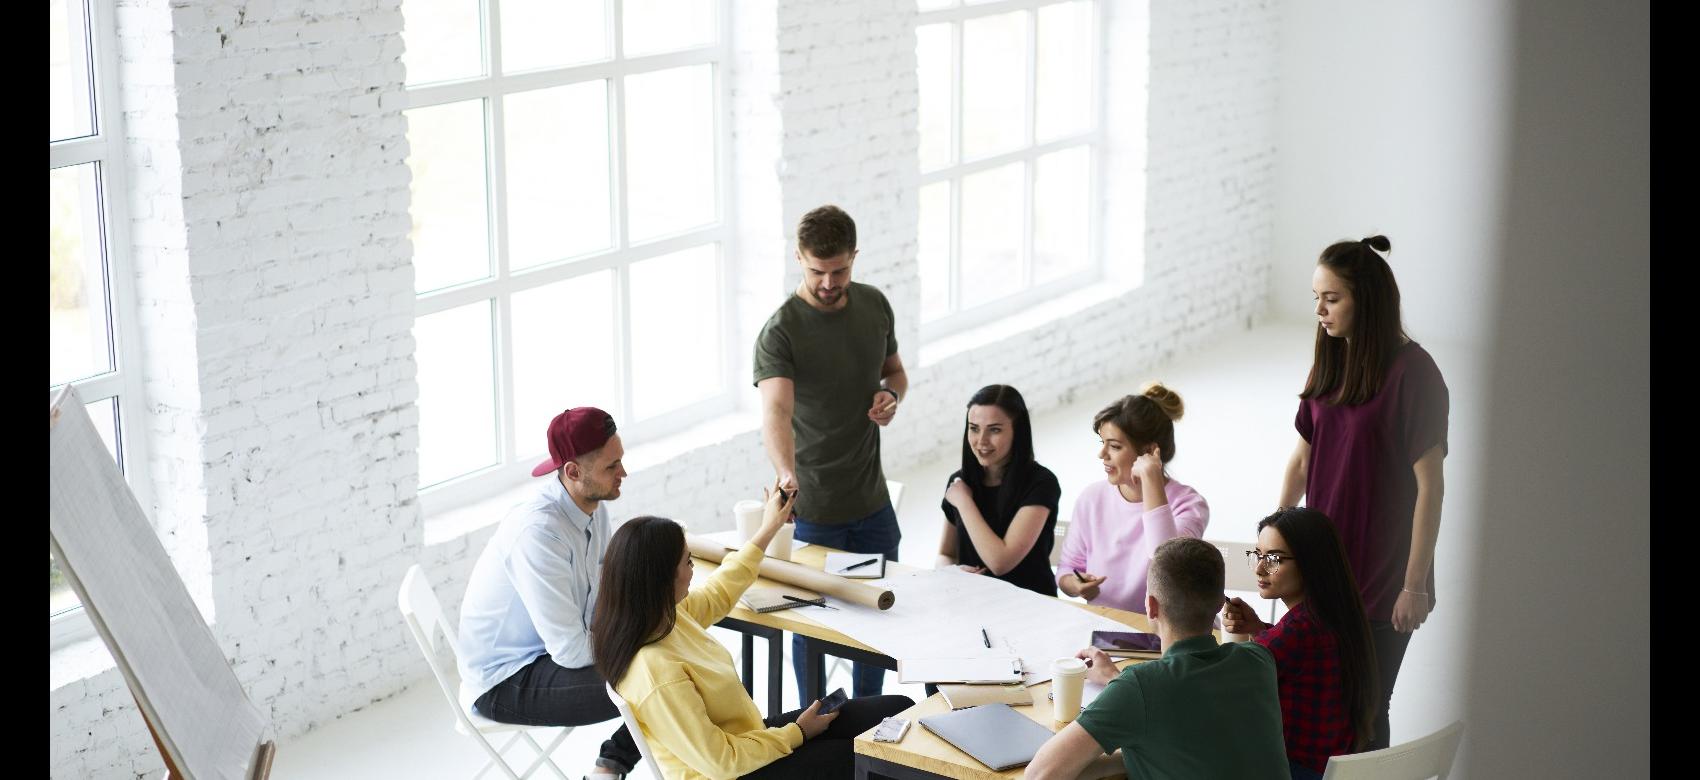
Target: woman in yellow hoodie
x=650, y=637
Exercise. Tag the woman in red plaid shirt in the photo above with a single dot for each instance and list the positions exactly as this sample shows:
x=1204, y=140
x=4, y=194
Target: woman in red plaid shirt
x=1324, y=660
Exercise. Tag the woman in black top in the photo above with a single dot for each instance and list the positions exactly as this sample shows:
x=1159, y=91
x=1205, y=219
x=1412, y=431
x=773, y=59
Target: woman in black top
x=1000, y=508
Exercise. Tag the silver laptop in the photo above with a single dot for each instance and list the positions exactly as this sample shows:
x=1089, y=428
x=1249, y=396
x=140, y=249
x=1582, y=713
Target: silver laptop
x=993, y=734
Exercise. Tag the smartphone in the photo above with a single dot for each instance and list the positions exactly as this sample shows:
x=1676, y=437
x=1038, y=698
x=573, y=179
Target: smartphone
x=1114, y=642
x=832, y=702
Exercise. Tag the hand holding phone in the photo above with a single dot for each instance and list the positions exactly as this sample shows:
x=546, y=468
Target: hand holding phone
x=832, y=701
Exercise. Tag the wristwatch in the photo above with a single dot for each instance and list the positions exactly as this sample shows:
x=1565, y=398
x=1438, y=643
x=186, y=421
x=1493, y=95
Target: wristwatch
x=889, y=390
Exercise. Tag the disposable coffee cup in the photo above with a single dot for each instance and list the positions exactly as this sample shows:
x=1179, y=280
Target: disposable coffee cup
x=1068, y=679
x=747, y=514
x=780, y=547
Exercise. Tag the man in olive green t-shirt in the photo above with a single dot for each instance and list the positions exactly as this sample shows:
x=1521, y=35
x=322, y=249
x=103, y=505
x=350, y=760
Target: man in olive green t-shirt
x=827, y=366
x=1202, y=710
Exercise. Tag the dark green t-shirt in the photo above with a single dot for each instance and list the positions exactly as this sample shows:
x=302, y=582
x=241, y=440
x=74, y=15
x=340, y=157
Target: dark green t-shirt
x=1202, y=710
x=834, y=360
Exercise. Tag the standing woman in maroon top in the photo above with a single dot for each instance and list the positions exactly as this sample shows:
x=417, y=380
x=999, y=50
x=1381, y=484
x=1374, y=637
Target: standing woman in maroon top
x=1324, y=663
x=1372, y=438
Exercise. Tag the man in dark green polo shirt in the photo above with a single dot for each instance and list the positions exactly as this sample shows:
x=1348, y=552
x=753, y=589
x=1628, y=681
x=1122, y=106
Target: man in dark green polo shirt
x=1203, y=710
x=827, y=366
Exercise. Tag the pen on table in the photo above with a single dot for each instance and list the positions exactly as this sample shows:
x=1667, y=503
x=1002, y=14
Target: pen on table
x=868, y=562
x=821, y=603
x=985, y=637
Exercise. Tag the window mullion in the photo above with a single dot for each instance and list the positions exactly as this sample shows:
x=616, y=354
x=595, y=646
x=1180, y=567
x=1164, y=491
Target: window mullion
x=954, y=274
x=1030, y=169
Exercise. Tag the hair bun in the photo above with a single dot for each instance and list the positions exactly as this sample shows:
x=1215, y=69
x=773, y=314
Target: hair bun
x=1167, y=400
x=1379, y=243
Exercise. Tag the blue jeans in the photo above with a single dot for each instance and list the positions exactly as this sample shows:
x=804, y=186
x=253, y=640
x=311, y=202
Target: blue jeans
x=876, y=533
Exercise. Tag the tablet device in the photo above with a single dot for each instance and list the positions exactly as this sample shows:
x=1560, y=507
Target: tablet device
x=1125, y=642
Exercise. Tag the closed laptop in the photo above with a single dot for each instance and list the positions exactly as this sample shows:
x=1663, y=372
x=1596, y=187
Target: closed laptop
x=993, y=734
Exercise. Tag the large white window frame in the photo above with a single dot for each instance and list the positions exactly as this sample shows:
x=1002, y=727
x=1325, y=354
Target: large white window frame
x=958, y=319
x=105, y=148
x=514, y=447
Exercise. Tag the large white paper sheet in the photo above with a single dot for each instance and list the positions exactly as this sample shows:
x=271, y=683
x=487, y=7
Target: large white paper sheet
x=940, y=613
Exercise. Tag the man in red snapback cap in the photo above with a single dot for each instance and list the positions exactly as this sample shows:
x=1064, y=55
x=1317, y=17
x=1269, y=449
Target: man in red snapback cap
x=525, y=622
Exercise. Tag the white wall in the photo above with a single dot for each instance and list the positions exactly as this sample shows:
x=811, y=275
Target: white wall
x=277, y=297
x=1568, y=461
x=1391, y=121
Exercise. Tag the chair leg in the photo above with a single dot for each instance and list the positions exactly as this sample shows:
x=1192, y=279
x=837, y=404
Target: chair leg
x=496, y=758
x=545, y=756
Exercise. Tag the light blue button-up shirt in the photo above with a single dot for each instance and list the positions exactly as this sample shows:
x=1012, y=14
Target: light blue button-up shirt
x=533, y=589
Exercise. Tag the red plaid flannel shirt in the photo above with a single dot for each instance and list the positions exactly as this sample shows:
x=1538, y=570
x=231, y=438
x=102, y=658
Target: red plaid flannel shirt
x=1313, y=697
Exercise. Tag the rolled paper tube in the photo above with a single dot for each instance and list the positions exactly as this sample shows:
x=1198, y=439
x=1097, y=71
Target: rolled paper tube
x=801, y=576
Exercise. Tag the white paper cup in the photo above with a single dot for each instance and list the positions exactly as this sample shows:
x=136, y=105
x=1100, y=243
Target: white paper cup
x=1068, y=679
x=747, y=514
x=780, y=547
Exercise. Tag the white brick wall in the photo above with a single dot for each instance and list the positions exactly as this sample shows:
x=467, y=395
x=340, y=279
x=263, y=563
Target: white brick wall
x=276, y=299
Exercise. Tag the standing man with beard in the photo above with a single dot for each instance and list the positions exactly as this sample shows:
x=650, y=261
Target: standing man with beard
x=525, y=651
x=827, y=366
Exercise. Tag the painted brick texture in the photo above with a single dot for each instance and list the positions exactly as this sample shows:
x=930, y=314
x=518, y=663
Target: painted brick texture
x=274, y=280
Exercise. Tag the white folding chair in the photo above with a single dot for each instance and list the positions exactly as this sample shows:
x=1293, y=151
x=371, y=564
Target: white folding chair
x=637, y=733
x=1237, y=575
x=1419, y=759
x=424, y=616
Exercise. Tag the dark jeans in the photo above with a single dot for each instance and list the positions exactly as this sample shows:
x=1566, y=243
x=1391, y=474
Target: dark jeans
x=830, y=754
x=876, y=533
x=1389, y=654
x=544, y=693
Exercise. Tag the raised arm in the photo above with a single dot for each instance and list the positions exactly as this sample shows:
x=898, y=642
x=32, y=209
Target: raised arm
x=710, y=603
x=778, y=400
x=894, y=385
x=1293, y=479
x=1000, y=553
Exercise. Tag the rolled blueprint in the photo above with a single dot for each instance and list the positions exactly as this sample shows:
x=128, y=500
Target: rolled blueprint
x=801, y=576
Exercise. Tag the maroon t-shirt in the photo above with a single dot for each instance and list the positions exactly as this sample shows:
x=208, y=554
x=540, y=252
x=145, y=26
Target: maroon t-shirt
x=1360, y=474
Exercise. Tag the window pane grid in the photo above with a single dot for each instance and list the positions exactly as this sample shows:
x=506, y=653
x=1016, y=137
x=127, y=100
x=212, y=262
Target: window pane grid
x=1045, y=40
x=91, y=301
x=548, y=240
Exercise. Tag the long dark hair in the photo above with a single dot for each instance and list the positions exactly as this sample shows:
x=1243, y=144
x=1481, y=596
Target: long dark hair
x=1021, y=449
x=1357, y=365
x=634, y=602
x=1331, y=595
x=1146, y=419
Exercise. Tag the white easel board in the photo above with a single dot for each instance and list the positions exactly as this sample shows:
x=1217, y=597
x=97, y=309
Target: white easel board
x=192, y=702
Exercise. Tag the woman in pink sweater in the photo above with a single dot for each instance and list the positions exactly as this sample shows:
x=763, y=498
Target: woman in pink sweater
x=1118, y=523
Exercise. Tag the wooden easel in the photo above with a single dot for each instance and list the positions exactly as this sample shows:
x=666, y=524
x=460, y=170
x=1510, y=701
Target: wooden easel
x=172, y=664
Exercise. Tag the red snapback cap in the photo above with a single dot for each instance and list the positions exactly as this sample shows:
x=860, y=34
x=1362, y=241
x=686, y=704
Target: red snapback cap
x=572, y=433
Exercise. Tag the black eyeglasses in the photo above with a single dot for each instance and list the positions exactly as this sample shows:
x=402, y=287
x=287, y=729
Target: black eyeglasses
x=1272, y=560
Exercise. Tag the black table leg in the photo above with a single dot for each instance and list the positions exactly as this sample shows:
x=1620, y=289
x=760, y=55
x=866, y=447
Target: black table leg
x=749, y=663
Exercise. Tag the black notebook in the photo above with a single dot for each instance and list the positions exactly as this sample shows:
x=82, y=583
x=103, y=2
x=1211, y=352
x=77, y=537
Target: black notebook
x=993, y=734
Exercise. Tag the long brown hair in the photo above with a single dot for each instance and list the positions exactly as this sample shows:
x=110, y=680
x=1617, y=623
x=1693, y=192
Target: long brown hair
x=1350, y=370
x=634, y=602
x=1331, y=595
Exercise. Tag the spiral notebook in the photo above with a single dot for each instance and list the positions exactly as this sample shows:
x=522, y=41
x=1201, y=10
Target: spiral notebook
x=773, y=599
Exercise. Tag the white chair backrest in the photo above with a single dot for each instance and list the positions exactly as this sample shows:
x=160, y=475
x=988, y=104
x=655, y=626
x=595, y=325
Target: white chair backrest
x=424, y=616
x=1057, y=542
x=1419, y=759
x=1237, y=575
x=632, y=726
